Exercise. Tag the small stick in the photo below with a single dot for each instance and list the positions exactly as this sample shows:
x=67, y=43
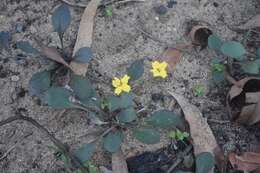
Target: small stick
x=180, y=158
x=7, y=152
x=103, y=4
x=218, y=121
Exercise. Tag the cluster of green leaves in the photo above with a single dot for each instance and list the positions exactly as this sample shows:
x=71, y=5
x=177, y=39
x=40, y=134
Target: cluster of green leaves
x=178, y=135
x=233, y=50
x=199, y=90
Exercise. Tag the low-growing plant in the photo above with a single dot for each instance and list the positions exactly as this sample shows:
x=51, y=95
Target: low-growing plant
x=116, y=113
x=199, y=90
x=178, y=135
x=234, y=53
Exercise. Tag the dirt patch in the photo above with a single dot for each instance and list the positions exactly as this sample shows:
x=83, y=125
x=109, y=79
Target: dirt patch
x=117, y=41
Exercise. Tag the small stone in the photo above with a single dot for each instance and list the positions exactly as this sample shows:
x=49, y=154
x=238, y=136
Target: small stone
x=156, y=18
x=19, y=28
x=15, y=78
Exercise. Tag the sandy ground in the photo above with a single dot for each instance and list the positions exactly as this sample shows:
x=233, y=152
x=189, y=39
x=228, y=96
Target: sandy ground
x=117, y=41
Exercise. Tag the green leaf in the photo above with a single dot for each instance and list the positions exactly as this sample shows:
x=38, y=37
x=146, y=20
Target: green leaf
x=164, y=119
x=61, y=19
x=91, y=168
x=233, y=49
x=136, y=70
x=127, y=115
x=115, y=103
x=58, y=97
x=214, y=42
x=85, y=152
x=39, y=83
x=83, y=55
x=113, y=141
x=250, y=67
x=199, y=90
x=26, y=47
x=172, y=134
x=5, y=39
x=109, y=11
x=147, y=136
x=204, y=162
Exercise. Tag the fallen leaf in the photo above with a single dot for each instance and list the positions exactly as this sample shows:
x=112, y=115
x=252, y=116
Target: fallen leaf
x=246, y=162
x=53, y=54
x=85, y=34
x=243, y=101
x=199, y=35
x=119, y=163
x=105, y=170
x=254, y=22
x=203, y=138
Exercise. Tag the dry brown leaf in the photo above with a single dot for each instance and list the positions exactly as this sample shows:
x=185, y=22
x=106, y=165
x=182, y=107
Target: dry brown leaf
x=85, y=34
x=53, y=54
x=252, y=97
x=203, y=138
x=254, y=22
x=245, y=114
x=246, y=162
x=199, y=35
x=119, y=163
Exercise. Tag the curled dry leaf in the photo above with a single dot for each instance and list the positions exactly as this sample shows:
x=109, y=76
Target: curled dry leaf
x=199, y=35
x=247, y=162
x=203, y=138
x=254, y=22
x=173, y=55
x=85, y=34
x=53, y=54
x=119, y=163
x=243, y=101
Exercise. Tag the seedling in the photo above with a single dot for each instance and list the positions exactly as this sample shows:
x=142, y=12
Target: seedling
x=199, y=90
x=109, y=11
x=234, y=52
x=178, y=135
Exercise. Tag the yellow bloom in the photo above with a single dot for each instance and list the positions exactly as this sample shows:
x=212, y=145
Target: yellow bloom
x=159, y=69
x=121, y=85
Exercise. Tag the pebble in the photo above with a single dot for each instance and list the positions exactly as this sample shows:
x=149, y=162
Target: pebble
x=15, y=78
x=19, y=28
x=161, y=9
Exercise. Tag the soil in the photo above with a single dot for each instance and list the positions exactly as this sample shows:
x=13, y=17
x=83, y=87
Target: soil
x=117, y=41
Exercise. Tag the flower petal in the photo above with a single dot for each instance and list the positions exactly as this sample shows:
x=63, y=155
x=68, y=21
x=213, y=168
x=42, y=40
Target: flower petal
x=163, y=74
x=126, y=88
x=155, y=72
x=163, y=65
x=155, y=64
x=118, y=90
x=116, y=82
x=125, y=79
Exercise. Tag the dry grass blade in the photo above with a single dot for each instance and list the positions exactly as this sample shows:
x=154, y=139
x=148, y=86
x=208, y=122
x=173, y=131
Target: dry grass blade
x=203, y=138
x=85, y=34
x=119, y=163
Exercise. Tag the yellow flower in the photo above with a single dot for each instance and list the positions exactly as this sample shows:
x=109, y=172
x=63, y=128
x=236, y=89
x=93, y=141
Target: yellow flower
x=159, y=69
x=121, y=85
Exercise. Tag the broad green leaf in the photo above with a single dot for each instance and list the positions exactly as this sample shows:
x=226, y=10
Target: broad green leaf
x=233, y=49
x=147, y=136
x=39, y=83
x=164, y=119
x=113, y=141
x=83, y=55
x=85, y=152
x=127, y=115
x=250, y=67
x=5, y=39
x=119, y=102
x=66, y=161
x=81, y=87
x=136, y=70
x=61, y=19
x=204, y=162
x=214, y=42
x=26, y=47
x=58, y=97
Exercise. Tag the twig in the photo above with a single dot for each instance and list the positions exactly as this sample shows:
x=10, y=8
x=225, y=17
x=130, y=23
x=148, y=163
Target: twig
x=75, y=161
x=218, y=121
x=81, y=5
x=180, y=158
x=7, y=152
